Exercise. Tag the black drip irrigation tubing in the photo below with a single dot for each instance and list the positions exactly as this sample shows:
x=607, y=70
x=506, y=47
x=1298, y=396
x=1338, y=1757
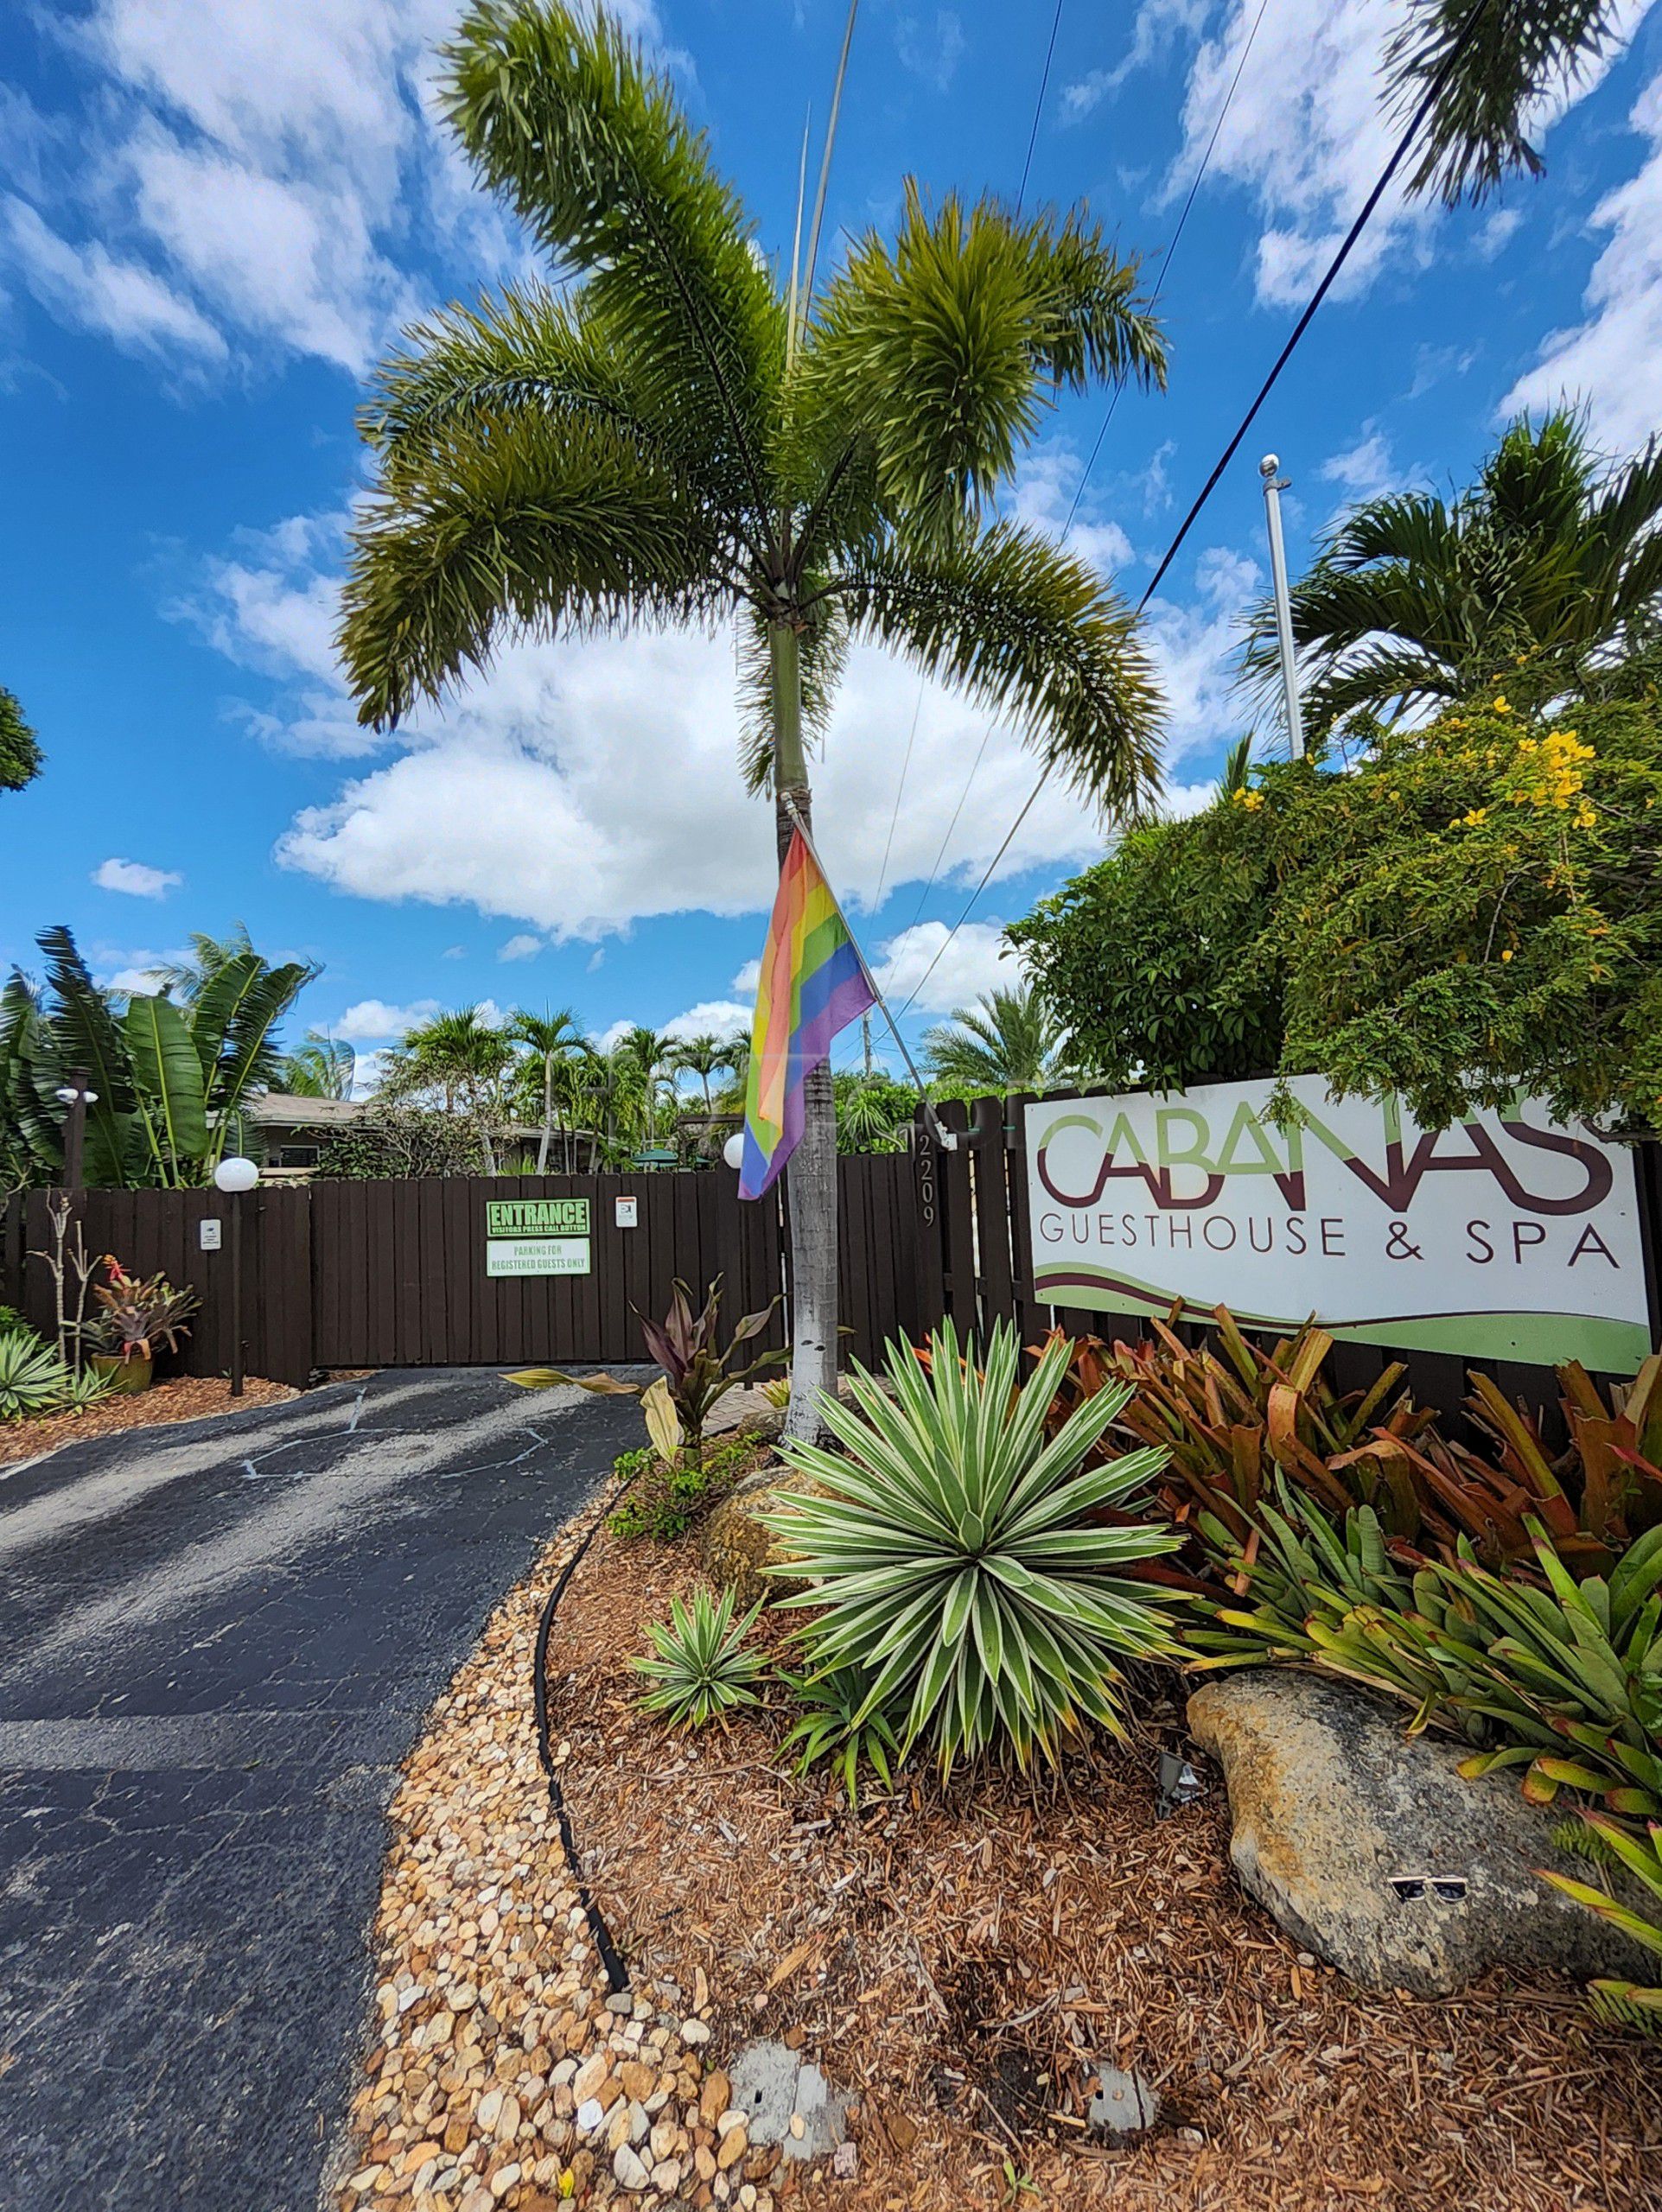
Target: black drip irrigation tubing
x=611, y=1958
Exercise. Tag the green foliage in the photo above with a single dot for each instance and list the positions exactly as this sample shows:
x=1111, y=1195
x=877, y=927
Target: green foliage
x=833, y=1724
x=872, y=1112
x=322, y=1067
x=35, y=1381
x=1269, y=931
x=1006, y=1041
x=696, y=1372
x=1623, y=2003
x=20, y=753
x=172, y=1076
x=1548, y=568
x=1152, y=961
x=664, y=1501
x=12, y=1324
x=960, y=1560
x=398, y=1141
x=699, y=1664
x=1525, y=851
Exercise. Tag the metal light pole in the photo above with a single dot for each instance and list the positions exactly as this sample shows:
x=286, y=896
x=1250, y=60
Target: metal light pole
x=236, y=1178
x=1274, y=486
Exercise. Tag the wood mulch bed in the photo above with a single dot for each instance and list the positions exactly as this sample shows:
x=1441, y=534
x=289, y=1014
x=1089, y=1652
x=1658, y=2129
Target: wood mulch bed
x=956, y=1956
x=188, y=1397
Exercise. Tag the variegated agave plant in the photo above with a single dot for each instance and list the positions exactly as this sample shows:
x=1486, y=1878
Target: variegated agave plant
x=959, y=1560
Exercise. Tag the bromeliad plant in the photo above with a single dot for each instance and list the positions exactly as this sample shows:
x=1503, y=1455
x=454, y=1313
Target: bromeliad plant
x=696, y=1372
x=137, y=1313
x=699, y=1661
x=952, y=1554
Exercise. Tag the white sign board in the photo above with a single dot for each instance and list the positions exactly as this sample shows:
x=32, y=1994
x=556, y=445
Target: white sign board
x=1505, y=1237
x=536, y=1256
x=627, y=1214
x=208, y=1236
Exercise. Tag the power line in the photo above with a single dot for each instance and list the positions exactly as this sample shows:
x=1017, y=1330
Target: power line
x=1399, y=154
x=1160, y=282
x=923, y=681
x=1039, y=105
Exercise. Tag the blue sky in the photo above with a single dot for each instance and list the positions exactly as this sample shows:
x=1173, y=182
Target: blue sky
x=214, y=218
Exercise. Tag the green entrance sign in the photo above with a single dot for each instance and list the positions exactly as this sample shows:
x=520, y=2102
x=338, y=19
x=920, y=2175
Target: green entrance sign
x=537, y=1217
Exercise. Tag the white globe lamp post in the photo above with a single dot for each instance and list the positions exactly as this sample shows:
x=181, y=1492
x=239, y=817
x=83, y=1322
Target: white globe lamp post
x=236, y=1177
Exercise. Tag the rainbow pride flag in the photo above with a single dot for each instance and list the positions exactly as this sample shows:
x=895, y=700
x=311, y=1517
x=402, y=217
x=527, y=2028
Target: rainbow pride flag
x=812, y=985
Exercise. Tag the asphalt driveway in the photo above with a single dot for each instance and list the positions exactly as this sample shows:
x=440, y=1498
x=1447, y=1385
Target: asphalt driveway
x=218, y=1642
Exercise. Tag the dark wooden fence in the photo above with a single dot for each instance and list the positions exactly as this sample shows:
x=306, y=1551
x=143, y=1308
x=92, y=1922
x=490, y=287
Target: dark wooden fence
x=344, y=1274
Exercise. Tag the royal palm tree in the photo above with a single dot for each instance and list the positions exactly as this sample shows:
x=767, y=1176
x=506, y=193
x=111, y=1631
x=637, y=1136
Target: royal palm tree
x=701, y=1056
x=1006, y=1041
x=1549, y=558
x=684, y=435
x=551, y=1038
x=187, y=976
x=651, y=1053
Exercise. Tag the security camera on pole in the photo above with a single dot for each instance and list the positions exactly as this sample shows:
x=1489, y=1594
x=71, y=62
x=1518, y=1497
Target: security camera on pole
x=1274, y=486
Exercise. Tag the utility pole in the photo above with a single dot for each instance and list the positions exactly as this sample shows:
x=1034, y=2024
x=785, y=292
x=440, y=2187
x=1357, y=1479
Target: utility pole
x=75, y=1095
x=1274, y=486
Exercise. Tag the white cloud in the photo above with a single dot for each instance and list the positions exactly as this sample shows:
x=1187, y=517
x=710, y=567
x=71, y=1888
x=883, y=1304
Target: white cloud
x=372, y=1020
x=976, y=960
x=1613, y=360
x=252, y=176
x=521, y=946
x=1043, y=496
x=748, y=977
x=91, y=289
x=710, y=1018
x=134, y=878
x=1364, y=469
x=127, y=971
x=1306, y=129
x=931, y=50
x=1155, y=26
x=1195, y=648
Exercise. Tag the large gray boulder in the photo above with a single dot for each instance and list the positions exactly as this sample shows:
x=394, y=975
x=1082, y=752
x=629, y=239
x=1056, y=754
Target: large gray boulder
x=1343, y=1826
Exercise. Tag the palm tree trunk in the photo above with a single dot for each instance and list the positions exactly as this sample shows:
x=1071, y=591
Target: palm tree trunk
x=548, y=1116
x=812, y=1171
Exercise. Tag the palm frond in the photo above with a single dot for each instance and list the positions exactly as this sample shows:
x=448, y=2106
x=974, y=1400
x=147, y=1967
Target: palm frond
x=563, y=117
x=1518, y=55
x=944, y=349
x=822, y=648
x=527, y=524
x=1029, y=632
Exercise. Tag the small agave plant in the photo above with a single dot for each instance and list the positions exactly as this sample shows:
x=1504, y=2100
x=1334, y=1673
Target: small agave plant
x=960, y=1560
x=699, y=1664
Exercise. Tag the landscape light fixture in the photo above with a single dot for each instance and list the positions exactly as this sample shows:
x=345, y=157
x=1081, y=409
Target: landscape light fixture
x=732, y=1150
x=236, y=1177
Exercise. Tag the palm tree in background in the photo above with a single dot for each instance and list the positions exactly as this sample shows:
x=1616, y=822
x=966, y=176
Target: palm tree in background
x=701, y=1056
x=462, y=1058
x=651, y=1053
x=1006, y=1041
x=552, y=1039
x=322, y=1067
x=682, y=436
x=1512, y=64
x=1549, y=558
x=187, y=978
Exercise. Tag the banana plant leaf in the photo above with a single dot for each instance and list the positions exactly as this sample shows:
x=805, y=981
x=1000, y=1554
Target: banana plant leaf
x=168, y=1078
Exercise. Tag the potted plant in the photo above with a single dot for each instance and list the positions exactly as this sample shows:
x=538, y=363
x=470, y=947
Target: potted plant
x=135, y=1315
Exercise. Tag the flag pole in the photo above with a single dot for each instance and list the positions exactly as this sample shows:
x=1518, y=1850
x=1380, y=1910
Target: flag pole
x=944, y=1137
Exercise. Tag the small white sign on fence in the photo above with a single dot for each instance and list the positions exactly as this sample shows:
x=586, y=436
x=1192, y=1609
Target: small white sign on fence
x=1505, y=1237
x=536, y=1256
